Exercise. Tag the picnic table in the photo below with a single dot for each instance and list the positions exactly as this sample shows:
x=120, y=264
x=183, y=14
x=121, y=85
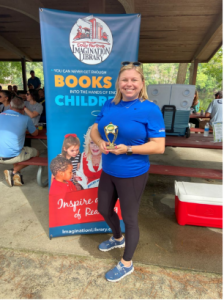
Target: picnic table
x=198, y=116
x=194, y=141
x=41, y=162
x=42, y=135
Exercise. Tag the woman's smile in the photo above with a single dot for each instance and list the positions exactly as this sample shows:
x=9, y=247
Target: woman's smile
x=130, y=85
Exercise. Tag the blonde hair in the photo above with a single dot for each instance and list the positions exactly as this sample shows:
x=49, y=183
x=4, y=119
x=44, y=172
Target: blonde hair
x=68, y=142
x=87, y=143
x=143, y=93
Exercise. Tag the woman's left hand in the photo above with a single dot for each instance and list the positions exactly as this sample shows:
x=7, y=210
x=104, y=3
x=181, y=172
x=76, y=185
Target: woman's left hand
x=119, y=149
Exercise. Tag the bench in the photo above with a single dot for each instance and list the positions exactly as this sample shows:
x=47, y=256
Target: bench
x=197, y=130
x=185, y=171
x=154, y=169
x=37, y=161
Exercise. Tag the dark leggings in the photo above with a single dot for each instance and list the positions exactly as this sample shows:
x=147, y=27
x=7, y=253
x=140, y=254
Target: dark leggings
x=129, y=191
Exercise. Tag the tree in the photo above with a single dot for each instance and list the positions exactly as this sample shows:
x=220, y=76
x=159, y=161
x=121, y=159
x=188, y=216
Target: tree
x=10, y=71
x=182, y=72
x=214, y=68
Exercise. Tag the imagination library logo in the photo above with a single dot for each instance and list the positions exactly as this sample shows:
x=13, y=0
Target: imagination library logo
x=91, y=40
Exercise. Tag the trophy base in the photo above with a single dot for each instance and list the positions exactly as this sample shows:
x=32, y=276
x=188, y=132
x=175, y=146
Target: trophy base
x=111, y=147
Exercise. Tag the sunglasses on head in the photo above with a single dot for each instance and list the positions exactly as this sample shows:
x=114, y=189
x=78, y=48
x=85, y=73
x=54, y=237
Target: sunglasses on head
x=134, y=63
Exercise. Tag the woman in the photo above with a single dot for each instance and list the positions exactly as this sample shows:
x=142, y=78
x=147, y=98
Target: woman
x=90, y=168
x=196, y=107
x=32, y=108
x=141, y=131
x=5, y=98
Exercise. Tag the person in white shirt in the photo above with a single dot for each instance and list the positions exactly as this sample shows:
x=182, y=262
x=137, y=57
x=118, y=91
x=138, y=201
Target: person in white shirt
x=32, y=108
x=214, y=111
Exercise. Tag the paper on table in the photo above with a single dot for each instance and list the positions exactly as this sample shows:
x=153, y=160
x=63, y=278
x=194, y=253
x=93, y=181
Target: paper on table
x=217, y=131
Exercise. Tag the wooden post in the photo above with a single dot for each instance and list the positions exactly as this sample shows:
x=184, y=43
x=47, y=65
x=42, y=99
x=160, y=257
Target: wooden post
x=193, y=72
x=23, y=62
x=182, y=71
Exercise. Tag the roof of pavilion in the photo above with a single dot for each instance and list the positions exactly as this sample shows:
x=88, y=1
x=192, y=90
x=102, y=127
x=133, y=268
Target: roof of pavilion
x=171, y=30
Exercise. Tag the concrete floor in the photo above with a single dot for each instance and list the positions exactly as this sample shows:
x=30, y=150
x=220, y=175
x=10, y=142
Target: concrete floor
x=171, y=261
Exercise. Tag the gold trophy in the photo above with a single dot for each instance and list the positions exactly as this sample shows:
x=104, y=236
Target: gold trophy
x=113, y=129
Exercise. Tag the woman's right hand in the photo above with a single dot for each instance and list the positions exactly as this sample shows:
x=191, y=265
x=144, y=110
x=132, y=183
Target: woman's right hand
x=102, y=145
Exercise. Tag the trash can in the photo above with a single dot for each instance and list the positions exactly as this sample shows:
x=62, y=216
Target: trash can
x=198, y=204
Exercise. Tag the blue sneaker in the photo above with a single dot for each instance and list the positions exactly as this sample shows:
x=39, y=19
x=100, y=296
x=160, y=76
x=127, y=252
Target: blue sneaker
x=111, y=244
x=119, y=272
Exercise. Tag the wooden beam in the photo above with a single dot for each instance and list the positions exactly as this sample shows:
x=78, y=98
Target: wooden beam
x=214, y=52
x=97, y=6
x=209, y=37
x=23, y=62
x=129, y=6
x=193, y=72
x=10, y=47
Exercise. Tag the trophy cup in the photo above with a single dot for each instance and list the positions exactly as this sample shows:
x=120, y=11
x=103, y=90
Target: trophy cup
x=113, y=129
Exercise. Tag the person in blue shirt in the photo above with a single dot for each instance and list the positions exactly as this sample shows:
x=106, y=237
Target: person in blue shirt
x=141, y=131
x=33, y=81
x=13, y=126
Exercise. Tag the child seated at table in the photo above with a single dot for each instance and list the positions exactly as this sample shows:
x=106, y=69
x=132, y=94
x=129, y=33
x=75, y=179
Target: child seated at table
x=61, y=169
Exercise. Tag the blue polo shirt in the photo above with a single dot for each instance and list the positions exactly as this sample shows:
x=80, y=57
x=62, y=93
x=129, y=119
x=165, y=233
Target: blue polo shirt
x=137, y=122
x=13, y=126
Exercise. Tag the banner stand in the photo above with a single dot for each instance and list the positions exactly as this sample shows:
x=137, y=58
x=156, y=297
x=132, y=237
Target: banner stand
x=82, y=55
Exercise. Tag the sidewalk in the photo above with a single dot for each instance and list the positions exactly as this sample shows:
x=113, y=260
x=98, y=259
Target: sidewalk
x=171, y=261
x=36, y=275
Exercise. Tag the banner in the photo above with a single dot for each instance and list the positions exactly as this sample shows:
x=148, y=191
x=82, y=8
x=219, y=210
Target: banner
x=82, y=55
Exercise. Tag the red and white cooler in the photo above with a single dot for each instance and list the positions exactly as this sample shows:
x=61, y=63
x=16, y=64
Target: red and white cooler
x=198, y=204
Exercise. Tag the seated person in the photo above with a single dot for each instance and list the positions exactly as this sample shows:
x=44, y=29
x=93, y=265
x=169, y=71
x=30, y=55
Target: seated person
x=214, y=111
x=41, y=95
x=42, y=101
x=14, y=91
x=13, y=126
x=10, y=88
x=5, y=97
x=32, y=108
x=196, y=107
x=61, y=169
x=22, y=95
